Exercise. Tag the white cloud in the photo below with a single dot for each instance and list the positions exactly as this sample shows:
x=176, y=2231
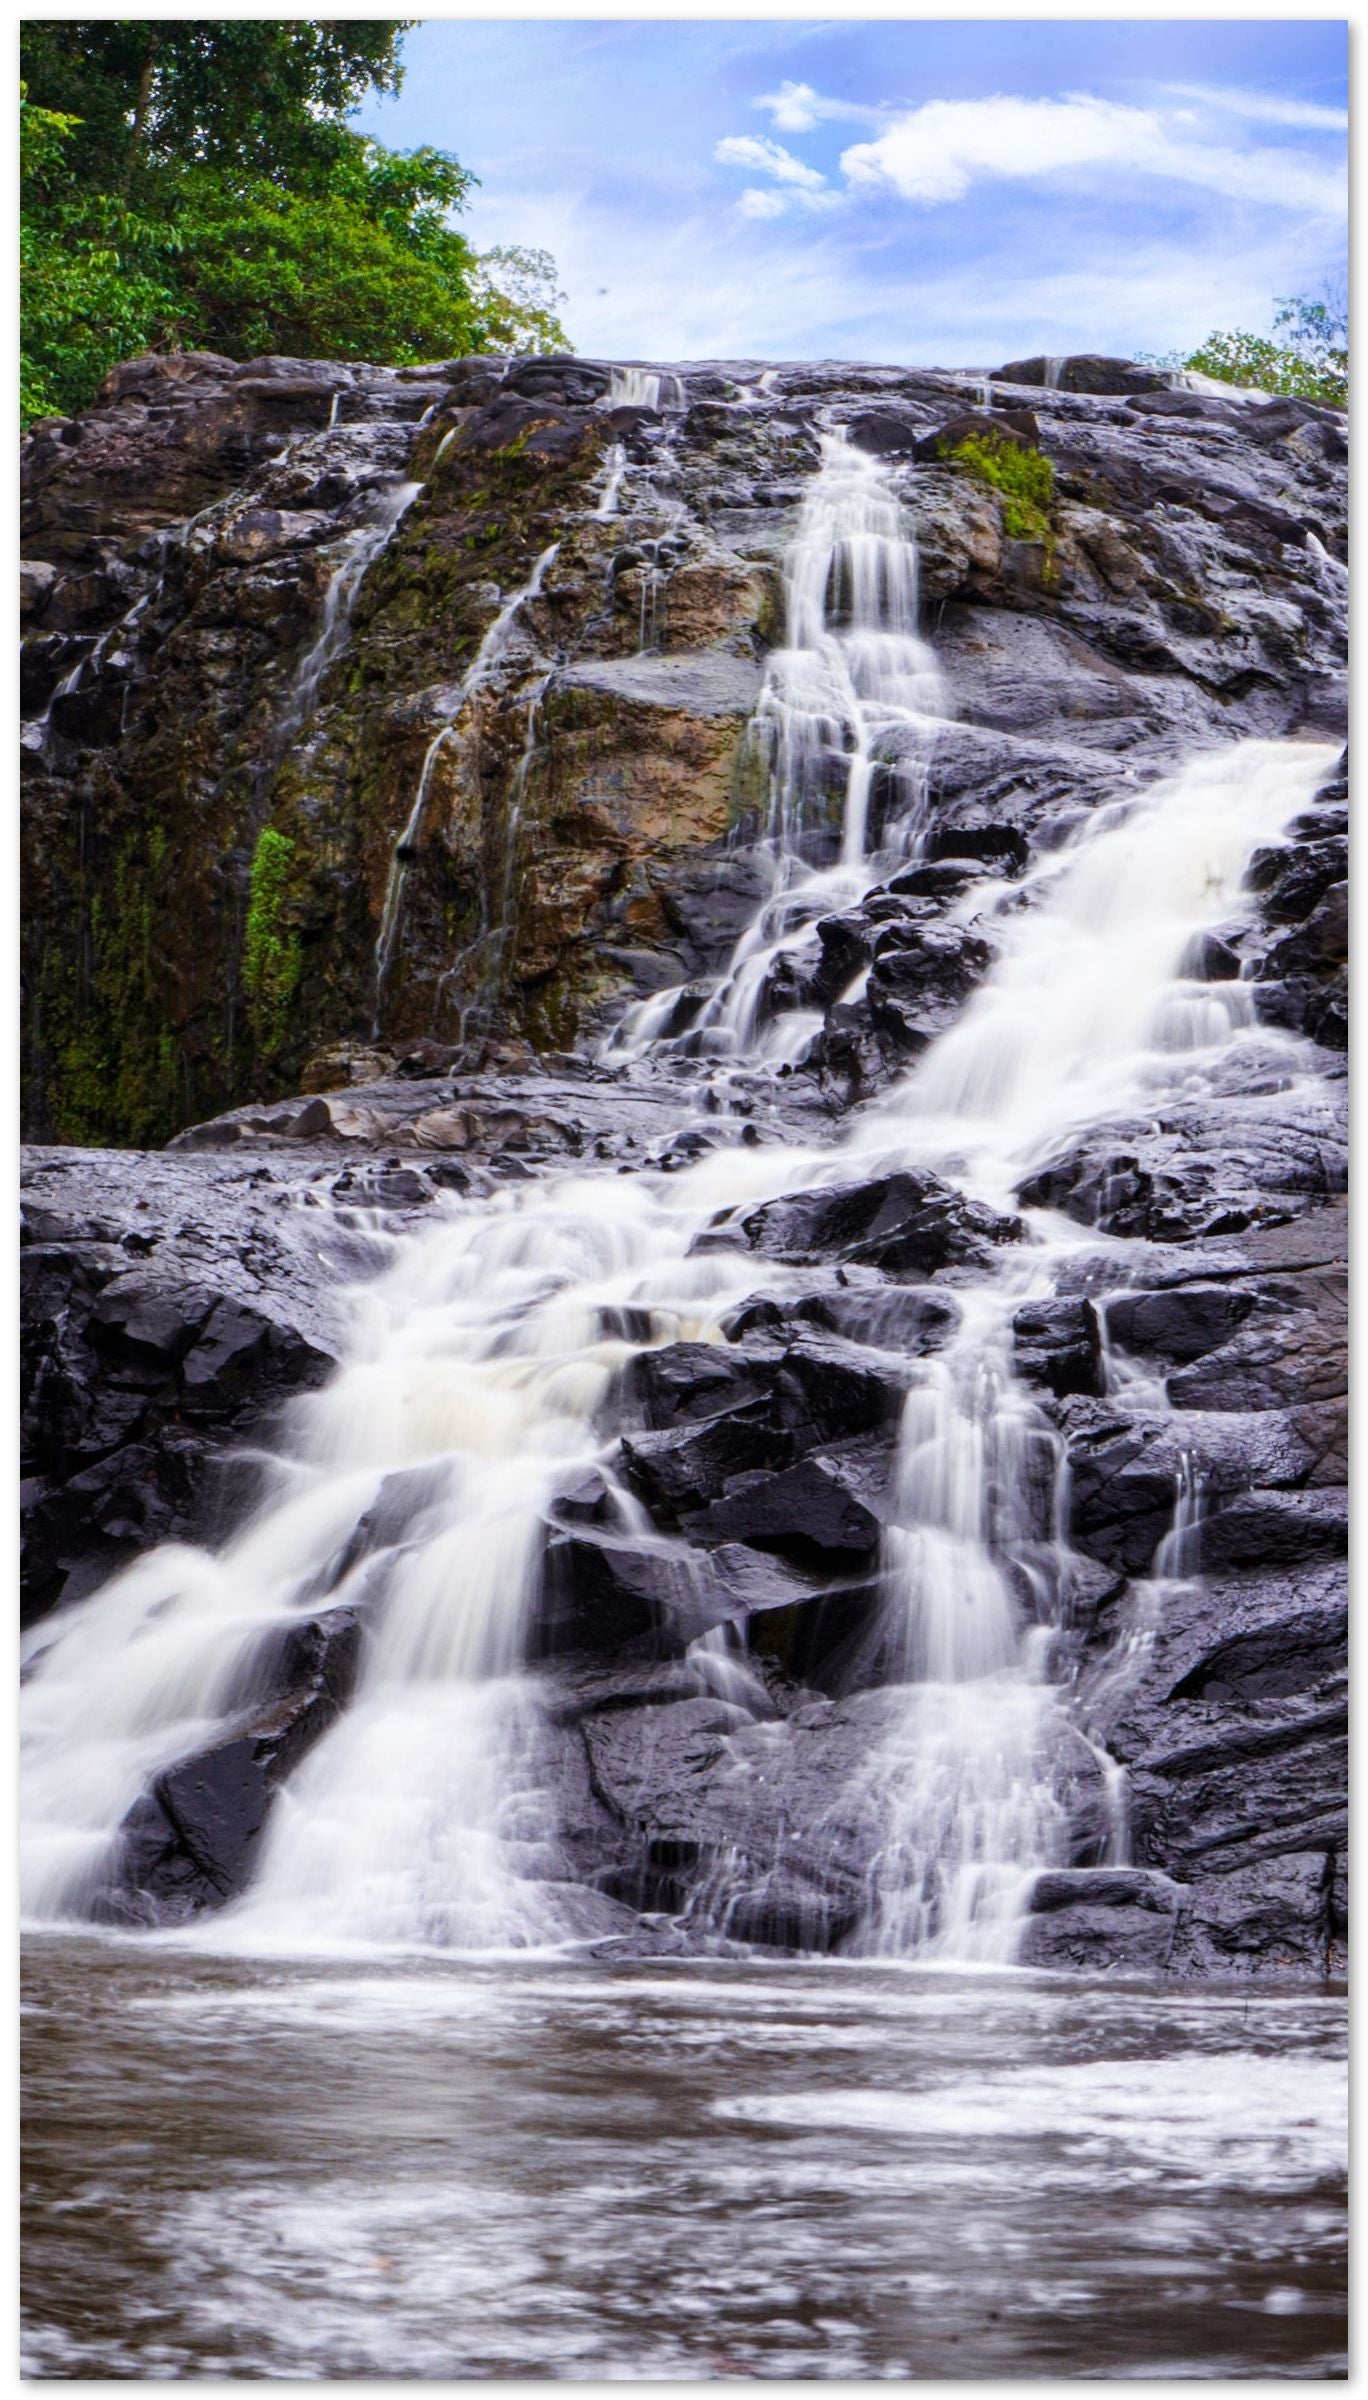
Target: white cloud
x=937, y=152
x=800, y=186
x=1260, y=109
x=797, y=108
x=812, y=289
x=755, y=203
x=765, y=157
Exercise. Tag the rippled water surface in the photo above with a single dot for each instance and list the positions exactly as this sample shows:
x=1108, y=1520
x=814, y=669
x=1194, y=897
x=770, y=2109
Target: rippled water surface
x=438, y=2169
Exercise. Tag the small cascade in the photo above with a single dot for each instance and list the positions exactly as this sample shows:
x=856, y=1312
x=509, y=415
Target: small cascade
x=1088, y=1010
x=758, y=388
x=963, y=1779
x=486, y=658
x=1178, y=1552
x=645, y=387
x=654, y=577
x=475, y=973
x=1191, y=379
x=1054, y=369
x=615, y=469
x=357, y=556
x=853, y=670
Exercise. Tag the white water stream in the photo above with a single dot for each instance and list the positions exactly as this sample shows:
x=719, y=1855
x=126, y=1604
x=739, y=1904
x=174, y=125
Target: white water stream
x=852, y=669
x=482, y=1364
x=486, y=658
x=357, y=556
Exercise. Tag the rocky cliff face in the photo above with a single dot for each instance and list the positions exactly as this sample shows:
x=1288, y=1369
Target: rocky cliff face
x=306, y=780
x=381, y=754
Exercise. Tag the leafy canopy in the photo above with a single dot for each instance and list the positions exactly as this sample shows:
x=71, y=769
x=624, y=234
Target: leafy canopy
x=191, y=183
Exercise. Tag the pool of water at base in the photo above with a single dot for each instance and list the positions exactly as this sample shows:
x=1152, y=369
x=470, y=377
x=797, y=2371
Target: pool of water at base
x=432, y=2168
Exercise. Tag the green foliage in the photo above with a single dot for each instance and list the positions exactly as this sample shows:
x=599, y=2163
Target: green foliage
x=1306, y=354
x=198, y=189
x=270, y=957
x=318, y=276
x=92, y=292
x=515, y=290
x=1024, y=479
x=254, y=96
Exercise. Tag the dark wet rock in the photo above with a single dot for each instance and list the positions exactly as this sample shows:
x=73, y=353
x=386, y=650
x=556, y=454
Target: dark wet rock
x=1085, y=373
x=908, y=1223
x=859, y=1307
x=941, y=878
x=1200, y=1169
x=1127, y=1471
x=1293, y=877
x=1014, y=427
x=885, y=432
x=829, y=1509
x=168, y=1313
x=676, y=1473
x=1232, y=1731
x=1272, y=1919
x=193, y=1839
x=1180, y=1324
x=817, y=1390
x=696, y=1787
x=610, y=1596
x=971, y=835
x=1102, y=1919
x=918, y=985
x=1057, y=1343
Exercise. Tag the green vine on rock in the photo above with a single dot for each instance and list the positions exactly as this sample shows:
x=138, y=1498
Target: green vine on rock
x=270, y=958
x=1023, y=480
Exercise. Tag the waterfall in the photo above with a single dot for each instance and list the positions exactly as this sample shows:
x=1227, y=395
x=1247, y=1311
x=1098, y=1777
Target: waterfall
x=358, y=555
x=1089, y=1010
x=852, y=671
x=615, y=469
x=481, y=1371
x=474, y=973
x=644, y=387
x=487, y=657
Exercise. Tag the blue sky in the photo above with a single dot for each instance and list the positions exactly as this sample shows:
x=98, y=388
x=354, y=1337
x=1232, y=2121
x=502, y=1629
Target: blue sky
x=912, y=191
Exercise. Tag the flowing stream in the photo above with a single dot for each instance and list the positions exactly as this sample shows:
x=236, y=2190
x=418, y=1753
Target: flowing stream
x=483, y=1366
x=433, y=2169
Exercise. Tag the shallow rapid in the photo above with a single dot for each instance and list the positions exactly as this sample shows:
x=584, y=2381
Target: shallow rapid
x=430, y=2169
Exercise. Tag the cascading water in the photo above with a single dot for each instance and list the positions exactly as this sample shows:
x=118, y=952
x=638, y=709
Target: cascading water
x=358, y=555
x=644, y=387
x=486, y=658
x=853, y=670
x=483, y=1367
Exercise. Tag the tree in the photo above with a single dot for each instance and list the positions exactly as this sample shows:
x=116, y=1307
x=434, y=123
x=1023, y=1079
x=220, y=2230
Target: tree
x=262, y=96
x=515, y=291
x=1306, y=353
x=194, y=184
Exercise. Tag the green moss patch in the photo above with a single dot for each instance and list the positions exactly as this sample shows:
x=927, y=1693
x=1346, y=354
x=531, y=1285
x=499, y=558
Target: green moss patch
x=1022, y=478
x=270, y=954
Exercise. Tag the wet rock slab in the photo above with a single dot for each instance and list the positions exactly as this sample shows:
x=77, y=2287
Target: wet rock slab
x=171, y=1308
